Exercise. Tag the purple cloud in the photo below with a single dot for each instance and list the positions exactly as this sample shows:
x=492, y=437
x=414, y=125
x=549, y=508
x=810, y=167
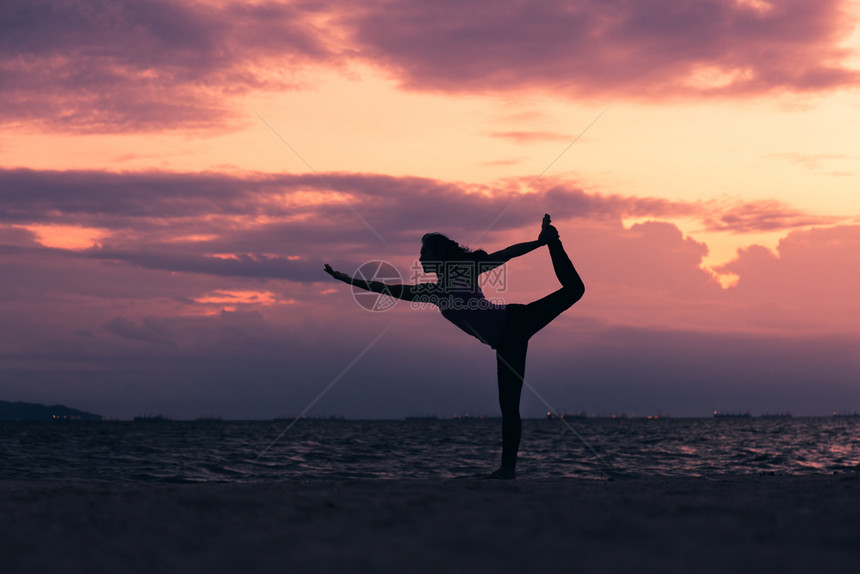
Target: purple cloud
x=181, y=221
x=745, y=217
x=120, y=65
x=622, y=48
x=392, y=204
x=116, y=65
x=150, y=331
x=250, y=265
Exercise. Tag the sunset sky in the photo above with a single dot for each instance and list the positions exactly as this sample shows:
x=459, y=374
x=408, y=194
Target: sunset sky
x=174, y=175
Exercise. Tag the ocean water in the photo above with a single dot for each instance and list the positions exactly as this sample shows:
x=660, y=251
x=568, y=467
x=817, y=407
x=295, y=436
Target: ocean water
x=227, y=451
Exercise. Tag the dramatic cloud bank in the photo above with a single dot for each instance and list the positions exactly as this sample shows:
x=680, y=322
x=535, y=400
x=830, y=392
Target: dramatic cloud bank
x=195, y=293
x=811, y=279
x=121, y=65
x=117, y=65
x=196, y=202
x=655, y=49
x=281, y=226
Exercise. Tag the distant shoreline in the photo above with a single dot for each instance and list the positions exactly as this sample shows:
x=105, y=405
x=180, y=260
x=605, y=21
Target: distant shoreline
x=34, y=412
x=419, y=419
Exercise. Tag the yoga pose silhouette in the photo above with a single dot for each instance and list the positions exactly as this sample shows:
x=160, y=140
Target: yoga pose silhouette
x=505, y=328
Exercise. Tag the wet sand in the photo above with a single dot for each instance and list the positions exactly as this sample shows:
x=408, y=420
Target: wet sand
x=730, y=524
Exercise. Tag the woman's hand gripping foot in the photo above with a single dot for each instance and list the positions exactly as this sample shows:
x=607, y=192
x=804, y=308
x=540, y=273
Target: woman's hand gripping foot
x=548, y=233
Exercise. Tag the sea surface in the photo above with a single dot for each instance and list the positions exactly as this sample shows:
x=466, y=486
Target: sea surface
x=312, y=449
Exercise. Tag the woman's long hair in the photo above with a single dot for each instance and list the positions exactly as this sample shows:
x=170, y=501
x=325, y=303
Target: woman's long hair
x=449, y=250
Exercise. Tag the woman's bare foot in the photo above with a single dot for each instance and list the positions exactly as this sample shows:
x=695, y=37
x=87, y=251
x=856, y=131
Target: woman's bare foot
x=548, y=233
x=504, y=472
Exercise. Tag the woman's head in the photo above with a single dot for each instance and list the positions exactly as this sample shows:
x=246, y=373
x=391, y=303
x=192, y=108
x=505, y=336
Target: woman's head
x=437, y=249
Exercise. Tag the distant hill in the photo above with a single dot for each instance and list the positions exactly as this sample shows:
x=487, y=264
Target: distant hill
x=36, y=412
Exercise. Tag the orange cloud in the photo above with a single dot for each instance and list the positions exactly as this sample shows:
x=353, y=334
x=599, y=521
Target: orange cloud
x=238, y=297
x=526, y=138
x=67, y=236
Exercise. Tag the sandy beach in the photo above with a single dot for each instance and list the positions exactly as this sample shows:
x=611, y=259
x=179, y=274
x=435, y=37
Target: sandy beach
x=729, y=524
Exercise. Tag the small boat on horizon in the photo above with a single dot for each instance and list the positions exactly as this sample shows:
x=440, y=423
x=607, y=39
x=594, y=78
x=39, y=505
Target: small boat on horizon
x=743, y=415
x=552, y=416
x=151, y=418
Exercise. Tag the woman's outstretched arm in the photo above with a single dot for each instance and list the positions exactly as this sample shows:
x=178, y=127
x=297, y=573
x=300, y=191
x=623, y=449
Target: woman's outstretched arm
x=504, y=255
x=548, y=232
x=406, y=292
x=508, y=253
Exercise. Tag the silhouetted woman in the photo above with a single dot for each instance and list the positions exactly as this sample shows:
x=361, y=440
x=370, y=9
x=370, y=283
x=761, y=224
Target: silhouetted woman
x=505, y=328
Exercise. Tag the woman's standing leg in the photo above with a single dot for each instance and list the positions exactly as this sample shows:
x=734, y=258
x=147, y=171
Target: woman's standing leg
x=511, y=364
x=523, y=321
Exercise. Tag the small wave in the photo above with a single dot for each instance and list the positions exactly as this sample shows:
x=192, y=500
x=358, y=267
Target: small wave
x=342, y=450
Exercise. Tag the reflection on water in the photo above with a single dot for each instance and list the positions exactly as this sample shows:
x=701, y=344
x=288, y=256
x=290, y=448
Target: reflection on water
x=336, y=449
